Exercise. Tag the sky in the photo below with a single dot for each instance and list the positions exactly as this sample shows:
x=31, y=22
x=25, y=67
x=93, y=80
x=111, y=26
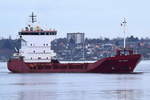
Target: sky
x=96, y=18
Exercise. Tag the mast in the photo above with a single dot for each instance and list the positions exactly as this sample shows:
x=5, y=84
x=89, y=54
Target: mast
x=33, y=18
x=124, y=31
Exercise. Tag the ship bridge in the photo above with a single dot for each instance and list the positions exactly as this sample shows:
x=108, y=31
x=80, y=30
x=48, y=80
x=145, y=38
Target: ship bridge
x=36, y=43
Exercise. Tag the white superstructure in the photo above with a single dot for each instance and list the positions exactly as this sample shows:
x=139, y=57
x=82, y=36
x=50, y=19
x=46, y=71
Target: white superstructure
x=36, y=43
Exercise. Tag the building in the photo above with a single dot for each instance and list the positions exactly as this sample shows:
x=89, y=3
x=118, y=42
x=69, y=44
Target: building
x=77, y=38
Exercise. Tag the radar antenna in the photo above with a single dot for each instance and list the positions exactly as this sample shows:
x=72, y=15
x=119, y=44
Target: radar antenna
x=33, y=17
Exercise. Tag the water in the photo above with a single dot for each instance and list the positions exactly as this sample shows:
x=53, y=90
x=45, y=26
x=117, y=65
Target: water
x=59, y=86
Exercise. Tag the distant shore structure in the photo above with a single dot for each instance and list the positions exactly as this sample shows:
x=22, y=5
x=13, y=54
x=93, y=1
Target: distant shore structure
x=76, y=37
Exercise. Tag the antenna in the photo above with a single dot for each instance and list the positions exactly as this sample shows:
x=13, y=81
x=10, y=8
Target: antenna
x=33, y=17
x=124, y=23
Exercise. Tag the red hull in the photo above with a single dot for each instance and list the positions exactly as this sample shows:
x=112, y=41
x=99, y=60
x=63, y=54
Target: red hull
x=116, y=64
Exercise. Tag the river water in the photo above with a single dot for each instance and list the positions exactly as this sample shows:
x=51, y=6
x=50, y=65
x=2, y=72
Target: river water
x=67, y=86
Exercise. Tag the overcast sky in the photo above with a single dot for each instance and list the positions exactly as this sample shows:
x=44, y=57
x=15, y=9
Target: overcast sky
x=96, y=18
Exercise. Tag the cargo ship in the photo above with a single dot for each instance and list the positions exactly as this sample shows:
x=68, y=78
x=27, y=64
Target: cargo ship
x=37, y=56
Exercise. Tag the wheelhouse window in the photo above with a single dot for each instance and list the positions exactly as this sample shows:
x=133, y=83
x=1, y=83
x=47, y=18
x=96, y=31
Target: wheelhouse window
x=39, y=57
